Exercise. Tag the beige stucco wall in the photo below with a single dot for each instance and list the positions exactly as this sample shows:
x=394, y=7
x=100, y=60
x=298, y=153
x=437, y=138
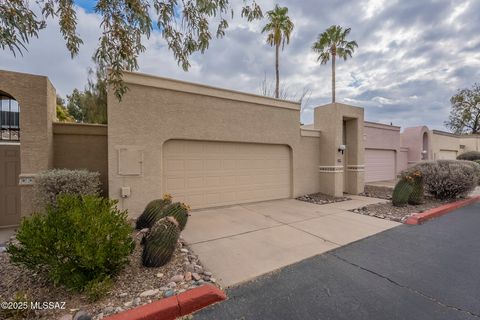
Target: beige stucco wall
x=444, y=141
x=156, y=109
x=340, y=172
x=81, y=146
x=471, y=142
x=385, y=137
x=36, y=97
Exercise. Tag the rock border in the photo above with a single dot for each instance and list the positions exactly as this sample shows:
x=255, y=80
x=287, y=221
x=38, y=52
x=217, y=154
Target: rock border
x=419, y=218
x=174, y=307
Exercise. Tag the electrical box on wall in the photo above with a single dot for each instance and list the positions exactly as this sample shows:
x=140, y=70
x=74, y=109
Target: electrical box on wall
x=130, y=160
x=125, y=192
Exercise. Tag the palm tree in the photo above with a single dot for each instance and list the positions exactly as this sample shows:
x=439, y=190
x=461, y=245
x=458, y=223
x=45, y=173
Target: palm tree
x=279, y=28
x=332, y=43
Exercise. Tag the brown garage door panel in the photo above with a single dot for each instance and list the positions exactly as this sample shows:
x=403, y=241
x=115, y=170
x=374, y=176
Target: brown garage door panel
x=206, y=174
x=9, y=189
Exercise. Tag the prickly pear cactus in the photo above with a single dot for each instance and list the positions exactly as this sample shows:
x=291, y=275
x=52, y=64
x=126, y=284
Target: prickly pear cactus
x=416, y=197
x=152, y=212
x=402, y=191
x=179, y=211
x=160, y=242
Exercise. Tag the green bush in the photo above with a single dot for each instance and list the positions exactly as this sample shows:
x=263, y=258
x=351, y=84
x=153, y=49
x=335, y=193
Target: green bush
x=51, y=183
x=469, y=155
x=446, y=179
x=81, y=243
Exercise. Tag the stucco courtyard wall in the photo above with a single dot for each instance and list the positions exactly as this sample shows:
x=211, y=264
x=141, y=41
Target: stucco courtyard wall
x=156, y=110
x=36, y=97
x=81, y=146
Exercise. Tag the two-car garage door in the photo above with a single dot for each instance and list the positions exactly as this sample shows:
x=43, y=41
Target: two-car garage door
x=379, y=165
x=207, y=174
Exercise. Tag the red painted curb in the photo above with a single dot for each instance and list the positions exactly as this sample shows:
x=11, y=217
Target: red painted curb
x=198, y=298
x=419, y=218
x=173, y=307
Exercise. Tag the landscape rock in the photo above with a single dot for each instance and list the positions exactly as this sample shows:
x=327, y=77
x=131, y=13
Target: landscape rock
x=196, y=276
x=168, y=293
x=82, y=315
x=108, y=310
x=207, y=273
x=66, y=317
x=177, y=278
x=184, y=250
x=149, y=293
x=171, y=284
x=160, y=275
x=188, y=276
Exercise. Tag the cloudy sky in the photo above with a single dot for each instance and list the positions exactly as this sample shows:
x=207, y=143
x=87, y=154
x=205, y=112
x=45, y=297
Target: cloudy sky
x=413, y=55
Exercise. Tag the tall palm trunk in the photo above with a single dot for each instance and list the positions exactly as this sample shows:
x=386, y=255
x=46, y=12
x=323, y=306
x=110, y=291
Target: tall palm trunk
x=277, y=74
x=333, y=78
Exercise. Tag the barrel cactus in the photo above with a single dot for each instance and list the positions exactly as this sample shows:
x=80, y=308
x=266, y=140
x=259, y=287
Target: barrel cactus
x=153, y=212
x=160, y=242
x=179, y=211
x=416, y=197
x=402, y=192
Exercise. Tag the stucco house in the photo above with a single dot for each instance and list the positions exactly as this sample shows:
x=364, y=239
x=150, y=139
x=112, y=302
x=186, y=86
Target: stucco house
x=204, y=145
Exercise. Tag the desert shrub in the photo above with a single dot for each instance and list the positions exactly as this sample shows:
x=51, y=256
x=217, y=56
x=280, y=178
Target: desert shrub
x=446, y=179
x=51, y=183
x=475, y=166
x=81, y=243
x=469, y=155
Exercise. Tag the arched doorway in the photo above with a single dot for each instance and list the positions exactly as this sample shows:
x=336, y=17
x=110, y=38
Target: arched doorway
x=425, y=146
x=9, y=160
x=9, y=118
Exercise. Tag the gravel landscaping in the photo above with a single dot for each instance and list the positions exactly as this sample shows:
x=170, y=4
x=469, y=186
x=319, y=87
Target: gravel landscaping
x=134, y=286
x=377, y=192
x=320, y=198
x=390, y=212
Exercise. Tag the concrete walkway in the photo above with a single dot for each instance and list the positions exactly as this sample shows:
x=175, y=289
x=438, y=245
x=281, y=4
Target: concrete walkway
x=239, y=243
x=5, y=234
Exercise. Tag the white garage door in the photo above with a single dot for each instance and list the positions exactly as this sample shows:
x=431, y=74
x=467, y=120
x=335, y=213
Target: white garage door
x=207, y=174
x=379, y=165
x=447, y=155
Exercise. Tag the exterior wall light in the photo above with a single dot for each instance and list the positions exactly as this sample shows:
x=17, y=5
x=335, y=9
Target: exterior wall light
x=342, y=148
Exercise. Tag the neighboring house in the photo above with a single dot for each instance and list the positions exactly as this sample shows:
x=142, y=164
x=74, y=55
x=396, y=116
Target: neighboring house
x=389, y=151
x=206, y=146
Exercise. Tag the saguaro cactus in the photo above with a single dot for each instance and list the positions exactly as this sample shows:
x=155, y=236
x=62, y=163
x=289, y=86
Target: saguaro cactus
x=401, y=192
x=152, y=212
x=160, y=242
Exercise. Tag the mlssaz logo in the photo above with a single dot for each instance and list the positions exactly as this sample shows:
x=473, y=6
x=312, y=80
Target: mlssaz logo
x=47, y=305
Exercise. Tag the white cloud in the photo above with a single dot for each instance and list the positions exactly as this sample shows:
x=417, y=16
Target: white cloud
x=412, y=56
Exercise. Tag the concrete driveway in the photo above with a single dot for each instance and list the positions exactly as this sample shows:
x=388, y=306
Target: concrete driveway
x=241, y=242
x=427, y=272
